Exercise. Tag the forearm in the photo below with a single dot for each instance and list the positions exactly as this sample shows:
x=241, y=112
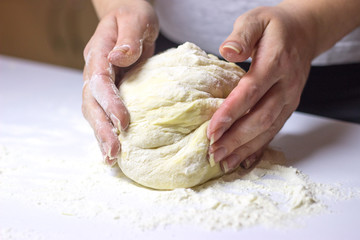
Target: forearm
x=327, y=20
x=102, y=7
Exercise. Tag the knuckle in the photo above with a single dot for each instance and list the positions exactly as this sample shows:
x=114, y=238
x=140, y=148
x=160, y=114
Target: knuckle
x=293, y=93
x=228, y=109
x=237, y=139
x=284, y=59
x=262, y=9
x=253, y=92
x=266, y=120
x=252, y=15
x=240, y=20
x=245, y=150
x=273, y=130
x=240, y=28
x=148, y=18
x=293, y=85
x=236, y=142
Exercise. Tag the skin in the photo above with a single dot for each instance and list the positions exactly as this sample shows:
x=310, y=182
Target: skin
x=282, y=41
x=126, y=34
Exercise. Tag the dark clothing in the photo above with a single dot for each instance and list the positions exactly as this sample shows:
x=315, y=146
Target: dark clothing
x=333, y=91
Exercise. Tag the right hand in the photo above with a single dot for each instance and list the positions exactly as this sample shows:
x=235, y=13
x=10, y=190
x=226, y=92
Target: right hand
x=124, y=36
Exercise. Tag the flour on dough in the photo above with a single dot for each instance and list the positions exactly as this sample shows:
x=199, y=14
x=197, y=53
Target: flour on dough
x=171, y=98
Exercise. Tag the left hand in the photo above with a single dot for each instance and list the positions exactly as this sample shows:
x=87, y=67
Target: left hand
x=125, y=35
x=279, y=41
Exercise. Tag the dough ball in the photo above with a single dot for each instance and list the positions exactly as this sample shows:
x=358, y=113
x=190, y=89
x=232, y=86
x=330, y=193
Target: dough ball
x=171, y=97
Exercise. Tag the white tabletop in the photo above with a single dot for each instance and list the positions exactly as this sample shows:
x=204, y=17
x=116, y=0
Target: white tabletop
x=46, y=99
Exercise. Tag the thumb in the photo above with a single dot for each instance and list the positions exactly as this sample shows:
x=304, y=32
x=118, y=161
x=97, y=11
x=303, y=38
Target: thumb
x=240, y=44
x=133, y=35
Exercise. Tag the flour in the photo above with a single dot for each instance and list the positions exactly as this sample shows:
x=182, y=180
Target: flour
x=271, y=195
x=9, y=233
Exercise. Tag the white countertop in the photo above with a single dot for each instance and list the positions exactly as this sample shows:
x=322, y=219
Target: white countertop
x=46, y=99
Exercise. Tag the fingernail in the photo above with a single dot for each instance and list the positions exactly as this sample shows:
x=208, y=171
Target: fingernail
x=118, y=51
x=123, y=48
x=247, y=163
x=116, y=131
x=126, y=126
x=234, y=46
x=233, y=160
x=108, y=158
x=216, y=135
x=115, y=121
x=211, y=160
x=108, y=151
x=106, y=148
x=219, y=154
x=224, y=166
x=110, y=161
x=212, y=140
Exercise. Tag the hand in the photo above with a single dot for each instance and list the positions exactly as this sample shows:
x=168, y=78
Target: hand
x=122, y=37
x=279, y=41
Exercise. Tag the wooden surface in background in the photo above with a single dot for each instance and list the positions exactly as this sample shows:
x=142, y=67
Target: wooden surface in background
x=52, y=31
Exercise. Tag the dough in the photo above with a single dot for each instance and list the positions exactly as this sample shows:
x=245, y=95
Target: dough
x=171, y=98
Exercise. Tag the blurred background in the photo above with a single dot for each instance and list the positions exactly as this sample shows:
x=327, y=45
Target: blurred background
x=51, y=31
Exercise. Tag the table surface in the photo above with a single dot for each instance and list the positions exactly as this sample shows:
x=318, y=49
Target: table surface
x=47, y=98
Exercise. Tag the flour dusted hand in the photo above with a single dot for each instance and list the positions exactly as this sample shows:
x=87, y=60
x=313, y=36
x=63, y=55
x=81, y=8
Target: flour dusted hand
x=171, y=97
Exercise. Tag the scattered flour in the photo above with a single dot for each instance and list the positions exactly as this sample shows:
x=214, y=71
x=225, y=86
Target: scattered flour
x=271, y=195
x=12, y=234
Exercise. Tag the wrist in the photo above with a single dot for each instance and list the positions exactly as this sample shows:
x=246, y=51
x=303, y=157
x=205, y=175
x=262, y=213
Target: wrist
x=304, y=29
x=103, y=7
x=326, y=22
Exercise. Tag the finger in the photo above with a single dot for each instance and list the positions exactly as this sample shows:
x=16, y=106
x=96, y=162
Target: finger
x=255, y=146
x=264, y=72
x=134, y=34
x=247, y=31
x=98, y=48
x=257, y=121
x=233, y=161
x=104, y=130
x=243, y=97
x=101, y=76
x=254, y=158
x=108, y=97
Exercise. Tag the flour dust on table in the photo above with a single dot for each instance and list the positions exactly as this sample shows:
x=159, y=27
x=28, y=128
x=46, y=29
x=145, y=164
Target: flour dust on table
x=270, y=195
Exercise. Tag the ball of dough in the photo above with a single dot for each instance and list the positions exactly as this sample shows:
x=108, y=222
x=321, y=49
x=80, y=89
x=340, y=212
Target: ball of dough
x=171, y=97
